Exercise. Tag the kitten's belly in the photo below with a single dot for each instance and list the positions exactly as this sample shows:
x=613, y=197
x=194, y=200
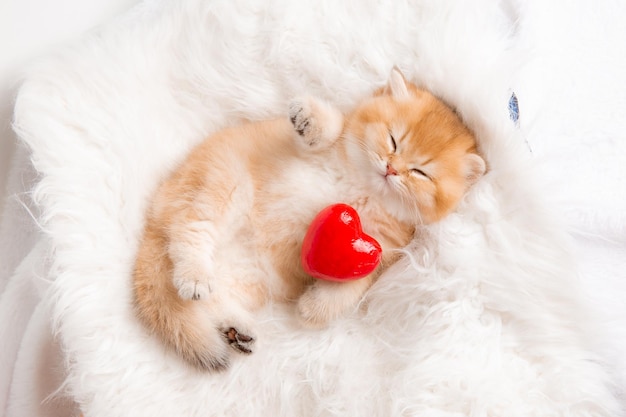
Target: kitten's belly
x=284, y=210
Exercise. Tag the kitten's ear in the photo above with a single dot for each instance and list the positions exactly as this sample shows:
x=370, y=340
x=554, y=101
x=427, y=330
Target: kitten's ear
x=397, y=85
x=474, y=168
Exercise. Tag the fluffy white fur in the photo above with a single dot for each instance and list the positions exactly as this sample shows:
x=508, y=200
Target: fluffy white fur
x=485, y=318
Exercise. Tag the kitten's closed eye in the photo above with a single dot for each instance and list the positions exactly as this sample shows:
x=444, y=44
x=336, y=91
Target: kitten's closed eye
x=420, y=173
x=394, y=146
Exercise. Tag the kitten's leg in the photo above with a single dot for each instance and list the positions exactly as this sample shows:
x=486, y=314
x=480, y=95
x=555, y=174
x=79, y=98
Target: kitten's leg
x=240, y=288
x=213, y=304
x=191, y=250
x=317, y=124
x=325, y=300
x=186, y=284
x=199, y=225
x=235, y=324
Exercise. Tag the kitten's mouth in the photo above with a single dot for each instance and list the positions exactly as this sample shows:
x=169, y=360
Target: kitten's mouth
x=391, y=180
x=388, y=173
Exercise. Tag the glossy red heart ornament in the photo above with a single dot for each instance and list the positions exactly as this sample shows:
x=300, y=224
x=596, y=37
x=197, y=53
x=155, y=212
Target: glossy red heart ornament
x=335, y=247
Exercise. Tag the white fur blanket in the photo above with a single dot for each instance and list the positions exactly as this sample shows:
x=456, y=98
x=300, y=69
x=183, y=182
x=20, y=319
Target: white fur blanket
x=513, y=306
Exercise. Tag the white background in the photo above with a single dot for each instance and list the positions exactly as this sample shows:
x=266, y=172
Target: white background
x=30, y=29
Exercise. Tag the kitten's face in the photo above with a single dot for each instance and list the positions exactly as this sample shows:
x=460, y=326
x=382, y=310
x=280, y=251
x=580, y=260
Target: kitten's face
x=414, y=151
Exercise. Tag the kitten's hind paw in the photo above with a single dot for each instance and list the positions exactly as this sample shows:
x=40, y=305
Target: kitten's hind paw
x=239, y=341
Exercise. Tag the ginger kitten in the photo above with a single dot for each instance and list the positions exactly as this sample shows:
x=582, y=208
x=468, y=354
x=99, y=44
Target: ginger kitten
x=224, y=232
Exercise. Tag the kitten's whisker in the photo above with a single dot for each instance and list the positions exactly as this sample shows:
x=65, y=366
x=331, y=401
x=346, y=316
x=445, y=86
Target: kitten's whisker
x=409, y=201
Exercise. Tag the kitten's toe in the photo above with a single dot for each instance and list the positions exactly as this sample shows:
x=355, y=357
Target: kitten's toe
x=239, y=341
x=300, y=115
x=192, y=289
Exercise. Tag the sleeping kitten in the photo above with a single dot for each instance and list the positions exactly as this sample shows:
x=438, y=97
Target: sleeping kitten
x=224, y=232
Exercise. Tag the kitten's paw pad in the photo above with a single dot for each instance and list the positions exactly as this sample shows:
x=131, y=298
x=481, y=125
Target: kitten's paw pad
x=192, y=289
x=317, y=123
x=239, y=341
x=300, y=117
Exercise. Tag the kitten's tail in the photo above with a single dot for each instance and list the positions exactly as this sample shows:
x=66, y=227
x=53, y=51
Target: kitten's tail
x=183, y=325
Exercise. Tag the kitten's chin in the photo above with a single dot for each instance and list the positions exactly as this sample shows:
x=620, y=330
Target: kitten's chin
x=400, y=211
x=391, y=199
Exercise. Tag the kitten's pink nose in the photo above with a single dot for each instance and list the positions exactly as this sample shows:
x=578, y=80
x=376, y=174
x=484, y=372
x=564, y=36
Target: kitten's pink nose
x=391, y=170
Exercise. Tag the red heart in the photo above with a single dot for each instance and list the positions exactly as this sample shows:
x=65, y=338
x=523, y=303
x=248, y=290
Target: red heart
x=335, y=247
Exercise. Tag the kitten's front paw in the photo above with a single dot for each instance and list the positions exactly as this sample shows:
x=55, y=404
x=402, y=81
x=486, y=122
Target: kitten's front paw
x=315, y=122
x=301, y=119
x=191, y=288
x=313, y=312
